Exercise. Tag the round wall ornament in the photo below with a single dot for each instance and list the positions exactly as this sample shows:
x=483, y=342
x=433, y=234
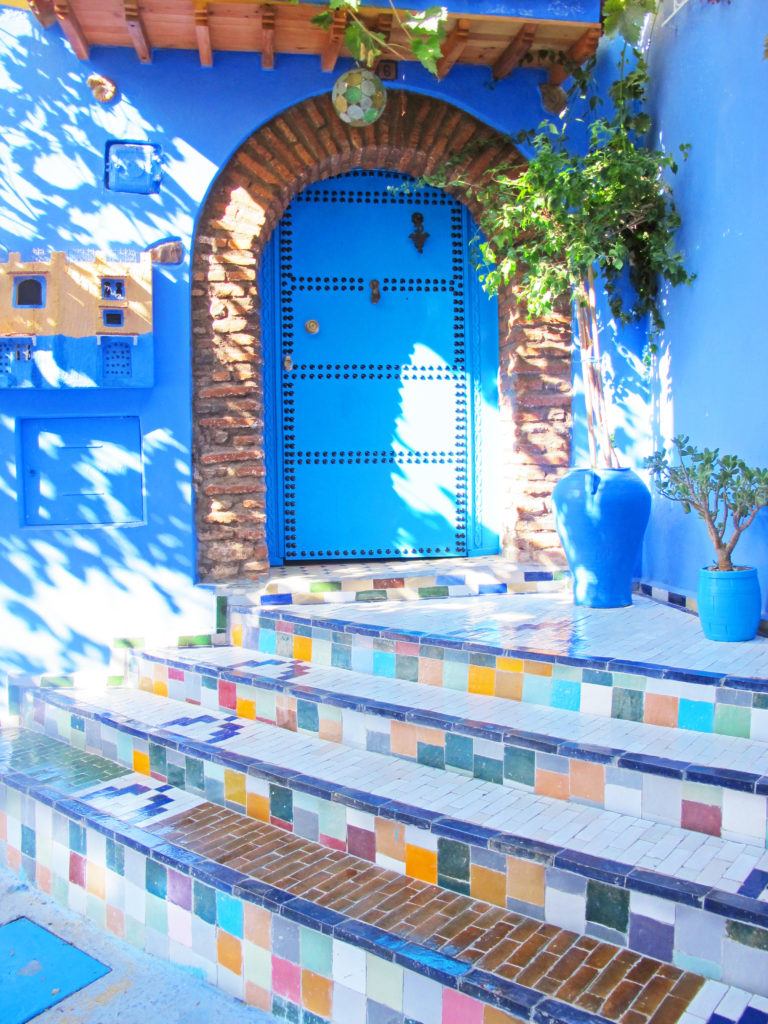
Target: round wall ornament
x=359, y=97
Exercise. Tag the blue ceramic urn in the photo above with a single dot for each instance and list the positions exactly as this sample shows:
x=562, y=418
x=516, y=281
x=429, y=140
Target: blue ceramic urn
x=601, y=516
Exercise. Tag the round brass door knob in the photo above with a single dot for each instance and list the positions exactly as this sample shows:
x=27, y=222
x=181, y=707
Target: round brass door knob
x=311, y=326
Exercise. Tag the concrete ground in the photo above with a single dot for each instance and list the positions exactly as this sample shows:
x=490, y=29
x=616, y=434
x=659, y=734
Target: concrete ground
x=139, y=989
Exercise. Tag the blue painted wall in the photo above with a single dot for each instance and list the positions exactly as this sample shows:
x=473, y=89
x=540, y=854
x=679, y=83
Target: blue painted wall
x=710, y=83
x=66, y=593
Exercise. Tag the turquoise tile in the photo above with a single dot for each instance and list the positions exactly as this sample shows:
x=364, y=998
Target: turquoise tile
x=453, y=859
x=115, y=857
x=566, y=694
x=341, y=656
x=537, y=690
x=316, y=952
x=384, y=664
x=28, y=845
x=520, y=765
x=229, y=914
x=157, y=759
x=489, y=769
x=627, y=704
x=430, y=754
x=76, y=838
x=195, y=774
x=607, y=905
x=456, y=675
x=156, y=914
x=407, y=667
x=280, y=803
x=267, y=641
x=307, y=715
x=459, y=752
x=176, y=776
x=698, y=715
x=157, y=879
x=210, y=682
x=204, y=902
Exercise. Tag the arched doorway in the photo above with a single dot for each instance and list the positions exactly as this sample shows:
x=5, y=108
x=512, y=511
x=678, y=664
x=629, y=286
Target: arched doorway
x=231, y=317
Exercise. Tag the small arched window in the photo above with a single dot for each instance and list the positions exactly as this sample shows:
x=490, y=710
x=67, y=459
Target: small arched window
x=30, y=292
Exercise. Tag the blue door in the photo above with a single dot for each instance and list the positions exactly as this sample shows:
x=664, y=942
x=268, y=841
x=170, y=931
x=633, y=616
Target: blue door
x=386, y=370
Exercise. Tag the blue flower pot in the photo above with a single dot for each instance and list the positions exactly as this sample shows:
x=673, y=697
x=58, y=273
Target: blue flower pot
x=729, y=603
x=601, y=516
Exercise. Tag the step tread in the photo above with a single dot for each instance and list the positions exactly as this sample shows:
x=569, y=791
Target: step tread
x=491, y=951
x=645, y=633
x=692, y=856
x=581, y=729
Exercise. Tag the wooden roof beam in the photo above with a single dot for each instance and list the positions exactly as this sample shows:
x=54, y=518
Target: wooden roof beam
x=333, y=41
x=137, y=31
x=43, y=11
x=584, y=48
x=203, y=34
x=453, y=47
x=70, y=26
x=507, y=61
x=268, y=21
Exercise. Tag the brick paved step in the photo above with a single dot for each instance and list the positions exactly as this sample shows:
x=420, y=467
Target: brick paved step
x=528, y=662
x=679, y=896
x=311, y=933
x=676, y=777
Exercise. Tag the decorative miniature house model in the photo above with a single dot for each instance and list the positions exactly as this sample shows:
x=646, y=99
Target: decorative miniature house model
x=68, y=324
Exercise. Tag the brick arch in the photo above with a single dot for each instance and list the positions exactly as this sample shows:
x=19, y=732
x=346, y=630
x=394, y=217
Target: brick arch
x=304, y=144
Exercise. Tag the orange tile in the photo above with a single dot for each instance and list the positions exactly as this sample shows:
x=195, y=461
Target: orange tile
x=141, y=762
x=525, y=881
x=390, y=838
x=660, y=710
x=236, y=636
x=302, y=648
x=257, y=806
x=554, y=784
x=116, y=921
x=434, y=737
x=538, y=668
x=316, y=992
x=43, y=878
x=403, y=738
x=330, y=730
x=421, y=864
x=509, y=685
x=3, y=827
x=160, y=688
x=257, y=924
x=509, y=665
x=13, y=859
x=95, y=881
x=493, y=1015
x=588, y=781
x=488, y=885
x=234, y=786
x=229, y=952
x=245, y=708
x=145, y=683
x=431, y=671
x=259, y=997
x=481, y=680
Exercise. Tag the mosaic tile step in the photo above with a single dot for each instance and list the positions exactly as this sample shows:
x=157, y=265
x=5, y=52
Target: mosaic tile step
x=678, y=777
x=317, y=935
x=619, y=663
x=395, y=581
x=681, y=897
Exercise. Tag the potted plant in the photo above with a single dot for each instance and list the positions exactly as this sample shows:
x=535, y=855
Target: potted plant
x=727, y=494
x=571, y=219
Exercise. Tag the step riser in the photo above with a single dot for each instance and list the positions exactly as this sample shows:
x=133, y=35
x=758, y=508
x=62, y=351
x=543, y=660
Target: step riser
x=730, y=707
x=710, y=933
x=273, y=956
x=737, y=814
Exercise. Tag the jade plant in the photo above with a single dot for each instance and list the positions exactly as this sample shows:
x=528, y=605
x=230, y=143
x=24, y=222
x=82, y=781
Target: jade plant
x=725, y=492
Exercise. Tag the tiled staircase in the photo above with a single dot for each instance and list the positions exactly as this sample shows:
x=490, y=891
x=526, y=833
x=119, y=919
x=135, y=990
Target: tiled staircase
x=420, y=812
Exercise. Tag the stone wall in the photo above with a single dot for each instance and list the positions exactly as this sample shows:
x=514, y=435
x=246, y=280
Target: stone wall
x=307, y=143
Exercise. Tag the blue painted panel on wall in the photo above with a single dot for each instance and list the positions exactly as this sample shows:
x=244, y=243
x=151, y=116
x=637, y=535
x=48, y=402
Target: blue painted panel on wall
x=81, y=470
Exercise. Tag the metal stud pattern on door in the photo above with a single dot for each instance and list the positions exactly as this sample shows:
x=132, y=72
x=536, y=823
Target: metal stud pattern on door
x=373, y=371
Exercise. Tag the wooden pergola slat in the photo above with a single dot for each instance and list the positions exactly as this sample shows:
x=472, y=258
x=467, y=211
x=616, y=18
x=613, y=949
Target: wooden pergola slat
x=43, y=11
x=583, y=49
x=514, y=53
x=70, y=26
x=137, y=31
x=454, y=46
x=268, y=22
x=203, y=33
x=333, y=44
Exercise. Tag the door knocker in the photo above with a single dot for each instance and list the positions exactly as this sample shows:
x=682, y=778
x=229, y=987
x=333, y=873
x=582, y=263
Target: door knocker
x=418, y=236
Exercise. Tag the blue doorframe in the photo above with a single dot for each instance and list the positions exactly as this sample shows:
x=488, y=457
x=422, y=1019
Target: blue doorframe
x=380, y=372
